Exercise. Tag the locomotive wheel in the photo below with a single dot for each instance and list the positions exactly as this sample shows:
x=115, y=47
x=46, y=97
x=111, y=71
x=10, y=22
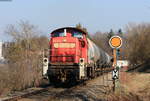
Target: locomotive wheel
x=52, y=80
x=88, y=72
x=92, y=72
x=71, y=79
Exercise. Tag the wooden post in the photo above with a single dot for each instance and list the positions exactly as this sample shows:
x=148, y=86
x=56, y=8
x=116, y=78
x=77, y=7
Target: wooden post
x=115, y=57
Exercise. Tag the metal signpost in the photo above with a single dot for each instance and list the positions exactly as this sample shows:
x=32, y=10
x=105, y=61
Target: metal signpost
x=115, y=42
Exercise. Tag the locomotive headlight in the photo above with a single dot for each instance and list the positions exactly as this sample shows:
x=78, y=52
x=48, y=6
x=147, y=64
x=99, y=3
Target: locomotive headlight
x=81, y=68
x=45, y=61
x=81, y=61
x=45, y=66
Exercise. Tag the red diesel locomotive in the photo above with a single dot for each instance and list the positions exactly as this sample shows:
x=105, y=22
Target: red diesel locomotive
x=73, y=56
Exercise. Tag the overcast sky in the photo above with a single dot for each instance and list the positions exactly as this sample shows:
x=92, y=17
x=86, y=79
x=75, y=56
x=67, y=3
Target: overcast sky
x=95, y=15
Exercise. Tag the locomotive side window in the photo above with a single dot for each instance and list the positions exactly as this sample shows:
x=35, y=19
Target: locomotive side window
x=77, y=34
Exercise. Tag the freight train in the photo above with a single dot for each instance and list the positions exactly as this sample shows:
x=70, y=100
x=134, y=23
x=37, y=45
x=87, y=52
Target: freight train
x=73, y=56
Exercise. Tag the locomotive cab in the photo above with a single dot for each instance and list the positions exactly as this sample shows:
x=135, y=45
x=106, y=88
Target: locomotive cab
x=67, y=45
x=68, y=54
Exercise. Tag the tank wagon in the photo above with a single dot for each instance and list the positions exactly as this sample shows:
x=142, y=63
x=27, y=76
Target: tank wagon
x=73, y=56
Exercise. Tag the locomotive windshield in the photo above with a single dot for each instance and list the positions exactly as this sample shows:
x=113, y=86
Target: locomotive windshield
x=77, y=34
x=58, y=34
x=67, y=32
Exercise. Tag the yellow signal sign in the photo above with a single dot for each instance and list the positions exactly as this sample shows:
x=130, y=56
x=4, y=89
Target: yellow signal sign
x=115, y=42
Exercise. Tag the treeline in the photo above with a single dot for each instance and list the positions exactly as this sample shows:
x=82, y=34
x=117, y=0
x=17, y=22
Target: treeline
x=138, y=43
x=24, y=56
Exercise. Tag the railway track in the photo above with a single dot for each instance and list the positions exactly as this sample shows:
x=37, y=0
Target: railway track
x=43, y=94
x=40, y=93
x=35, y=93
x=144, y=67
x=91, y=90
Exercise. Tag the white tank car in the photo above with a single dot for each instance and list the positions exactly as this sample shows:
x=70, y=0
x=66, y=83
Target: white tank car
x=97, y=55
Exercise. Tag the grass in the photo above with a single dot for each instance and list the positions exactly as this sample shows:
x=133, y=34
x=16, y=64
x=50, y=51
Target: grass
x=136, y=88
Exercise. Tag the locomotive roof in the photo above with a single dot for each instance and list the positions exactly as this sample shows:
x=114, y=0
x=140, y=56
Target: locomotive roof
x=72, y=28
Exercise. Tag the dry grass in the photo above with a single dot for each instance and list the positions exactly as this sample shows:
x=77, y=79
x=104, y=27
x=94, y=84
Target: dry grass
x=4, y=80
x=136, y=88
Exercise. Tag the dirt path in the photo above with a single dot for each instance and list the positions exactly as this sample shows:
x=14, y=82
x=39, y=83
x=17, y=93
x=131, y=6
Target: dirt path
x=95, y=90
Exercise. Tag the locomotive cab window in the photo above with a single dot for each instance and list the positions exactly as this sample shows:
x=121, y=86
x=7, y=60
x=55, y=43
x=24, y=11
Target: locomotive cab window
x=67, y=32
x=77, y=34
x=58, y=34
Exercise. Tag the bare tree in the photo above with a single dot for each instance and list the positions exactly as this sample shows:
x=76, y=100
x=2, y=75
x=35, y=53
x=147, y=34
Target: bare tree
x=138, y=43
x=24, y=30
x=25, y=54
